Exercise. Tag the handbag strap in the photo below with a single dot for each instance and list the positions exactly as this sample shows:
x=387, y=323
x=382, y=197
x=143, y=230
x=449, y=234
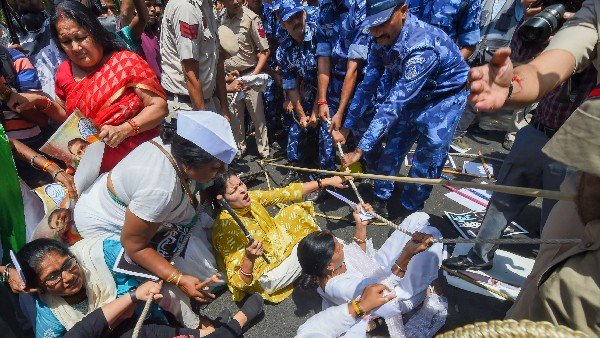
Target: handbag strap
x=191, y=197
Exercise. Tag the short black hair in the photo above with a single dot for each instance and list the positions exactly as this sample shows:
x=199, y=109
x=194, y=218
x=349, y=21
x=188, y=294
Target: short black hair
x=84, y=17
x=32, y=254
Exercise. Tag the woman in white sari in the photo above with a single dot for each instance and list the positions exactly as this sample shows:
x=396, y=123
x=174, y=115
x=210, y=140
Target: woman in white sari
x=340, y=272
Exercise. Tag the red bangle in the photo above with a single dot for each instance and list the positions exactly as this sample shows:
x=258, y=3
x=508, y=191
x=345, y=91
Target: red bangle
x=136, y=128
x=321, y=103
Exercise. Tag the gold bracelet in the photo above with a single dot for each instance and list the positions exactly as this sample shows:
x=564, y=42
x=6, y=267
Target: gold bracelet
x=172, y=276
x=178, y=279
x=359, y=241
x=357, y=310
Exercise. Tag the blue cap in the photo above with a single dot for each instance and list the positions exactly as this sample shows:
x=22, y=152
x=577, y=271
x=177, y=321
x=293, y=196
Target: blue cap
x=289, y=8
x=379, y=11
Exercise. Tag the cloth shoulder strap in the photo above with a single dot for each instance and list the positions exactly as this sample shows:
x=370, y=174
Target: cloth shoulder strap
x=191, y=197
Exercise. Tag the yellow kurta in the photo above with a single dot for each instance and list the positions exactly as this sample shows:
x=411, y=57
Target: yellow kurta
x=278, y=235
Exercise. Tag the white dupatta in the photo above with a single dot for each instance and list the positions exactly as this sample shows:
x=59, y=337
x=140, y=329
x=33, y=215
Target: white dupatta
x=99, y=284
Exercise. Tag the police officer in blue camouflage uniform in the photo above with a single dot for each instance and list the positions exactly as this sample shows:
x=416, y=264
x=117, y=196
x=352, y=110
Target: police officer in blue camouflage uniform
x=458, y=18
x=296, y=57
x=342, y=47
x=424, y=75
x=277, y=121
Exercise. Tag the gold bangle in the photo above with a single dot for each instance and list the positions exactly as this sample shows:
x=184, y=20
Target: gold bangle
x=359, y=241
x=172, y=276
x=357, y=310
x=46, y=165
x=178, y=279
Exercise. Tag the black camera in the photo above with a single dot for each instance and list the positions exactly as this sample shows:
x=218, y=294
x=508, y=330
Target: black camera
x=539, y=28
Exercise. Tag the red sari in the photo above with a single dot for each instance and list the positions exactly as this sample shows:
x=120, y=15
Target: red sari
x=106, y=97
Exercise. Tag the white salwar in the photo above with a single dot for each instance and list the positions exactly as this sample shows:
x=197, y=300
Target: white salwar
x=146, y=183
x=374, y=266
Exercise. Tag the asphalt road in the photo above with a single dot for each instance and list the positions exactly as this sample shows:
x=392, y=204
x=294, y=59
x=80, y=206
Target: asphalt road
x=282, y=320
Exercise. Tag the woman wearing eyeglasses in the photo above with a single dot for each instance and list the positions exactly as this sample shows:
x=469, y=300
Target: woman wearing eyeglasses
x=79, y=282
x=72, y=282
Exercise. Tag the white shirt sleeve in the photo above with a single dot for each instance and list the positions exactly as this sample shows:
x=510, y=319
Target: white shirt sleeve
x=332, y=322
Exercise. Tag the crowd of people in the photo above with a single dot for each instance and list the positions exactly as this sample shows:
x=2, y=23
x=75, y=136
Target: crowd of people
x=165, y=86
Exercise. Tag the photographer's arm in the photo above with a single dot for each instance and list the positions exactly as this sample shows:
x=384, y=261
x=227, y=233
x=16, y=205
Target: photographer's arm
x=490, y=83
x=540, y=76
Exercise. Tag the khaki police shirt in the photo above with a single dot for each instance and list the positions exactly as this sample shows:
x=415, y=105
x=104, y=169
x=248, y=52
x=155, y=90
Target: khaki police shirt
x=563, y=286
x=248, y=28
x=189, y=31
x=585, y=27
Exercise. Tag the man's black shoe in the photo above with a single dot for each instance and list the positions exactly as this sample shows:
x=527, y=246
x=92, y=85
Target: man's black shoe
x=464, y=262
x=291, y=177
x=380, y=207
x=317, y=196
x=477, y=130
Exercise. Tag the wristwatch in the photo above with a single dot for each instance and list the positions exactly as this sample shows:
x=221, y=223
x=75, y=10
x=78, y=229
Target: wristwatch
x=131, y=293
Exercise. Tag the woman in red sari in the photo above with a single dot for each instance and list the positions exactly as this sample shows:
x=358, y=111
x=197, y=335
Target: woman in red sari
x=113, y=87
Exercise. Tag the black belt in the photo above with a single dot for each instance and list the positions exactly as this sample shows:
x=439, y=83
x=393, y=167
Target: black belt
x=180, y=98
x=543, y=128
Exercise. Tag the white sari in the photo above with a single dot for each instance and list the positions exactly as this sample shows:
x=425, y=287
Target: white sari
x=374, y=266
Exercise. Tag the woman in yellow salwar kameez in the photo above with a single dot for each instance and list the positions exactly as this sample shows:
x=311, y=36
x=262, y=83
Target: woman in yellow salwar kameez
x=277, y=237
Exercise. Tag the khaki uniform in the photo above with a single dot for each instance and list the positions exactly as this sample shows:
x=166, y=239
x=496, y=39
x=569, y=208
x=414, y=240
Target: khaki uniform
x=248, y=28
x=189, y=31
x=564, y=285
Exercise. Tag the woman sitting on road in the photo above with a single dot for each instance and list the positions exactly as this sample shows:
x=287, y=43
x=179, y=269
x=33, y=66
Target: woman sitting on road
x=340, y=272
x=72, y=282
x=277, y=237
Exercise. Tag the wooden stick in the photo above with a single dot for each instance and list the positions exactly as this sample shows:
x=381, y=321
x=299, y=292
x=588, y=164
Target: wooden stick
x=476, y=283
x=555, y=195
x=454, y=172
x=485, y=167
x=470, y=156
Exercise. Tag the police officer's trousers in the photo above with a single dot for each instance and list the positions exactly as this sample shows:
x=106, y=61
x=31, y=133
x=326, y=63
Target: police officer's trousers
x=432, y=127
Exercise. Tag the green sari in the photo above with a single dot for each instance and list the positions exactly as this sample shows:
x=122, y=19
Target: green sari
x=12, y=214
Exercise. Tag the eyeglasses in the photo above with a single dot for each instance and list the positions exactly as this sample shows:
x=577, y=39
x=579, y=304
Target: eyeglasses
x=56, y=277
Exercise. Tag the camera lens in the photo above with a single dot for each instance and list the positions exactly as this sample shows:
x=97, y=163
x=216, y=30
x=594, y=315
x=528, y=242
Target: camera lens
x=541, y=26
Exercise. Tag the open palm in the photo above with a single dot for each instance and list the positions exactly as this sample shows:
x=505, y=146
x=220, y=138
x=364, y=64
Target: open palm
x=490, y=83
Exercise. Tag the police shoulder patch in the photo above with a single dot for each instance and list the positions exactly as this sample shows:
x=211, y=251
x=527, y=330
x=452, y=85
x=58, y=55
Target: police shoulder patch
x=187, y=30
x=413, y=67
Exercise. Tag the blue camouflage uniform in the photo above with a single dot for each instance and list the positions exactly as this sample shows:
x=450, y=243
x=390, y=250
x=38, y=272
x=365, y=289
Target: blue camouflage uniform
x=273, y=95
x=298, y=64
x=423, y=79
x=342, y=37
x=458, y=18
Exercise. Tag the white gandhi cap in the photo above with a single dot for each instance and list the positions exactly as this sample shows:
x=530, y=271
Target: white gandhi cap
x=209, y=131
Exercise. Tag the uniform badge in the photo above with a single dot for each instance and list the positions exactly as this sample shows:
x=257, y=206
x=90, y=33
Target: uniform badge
x=187, y=30
x=261, y=29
